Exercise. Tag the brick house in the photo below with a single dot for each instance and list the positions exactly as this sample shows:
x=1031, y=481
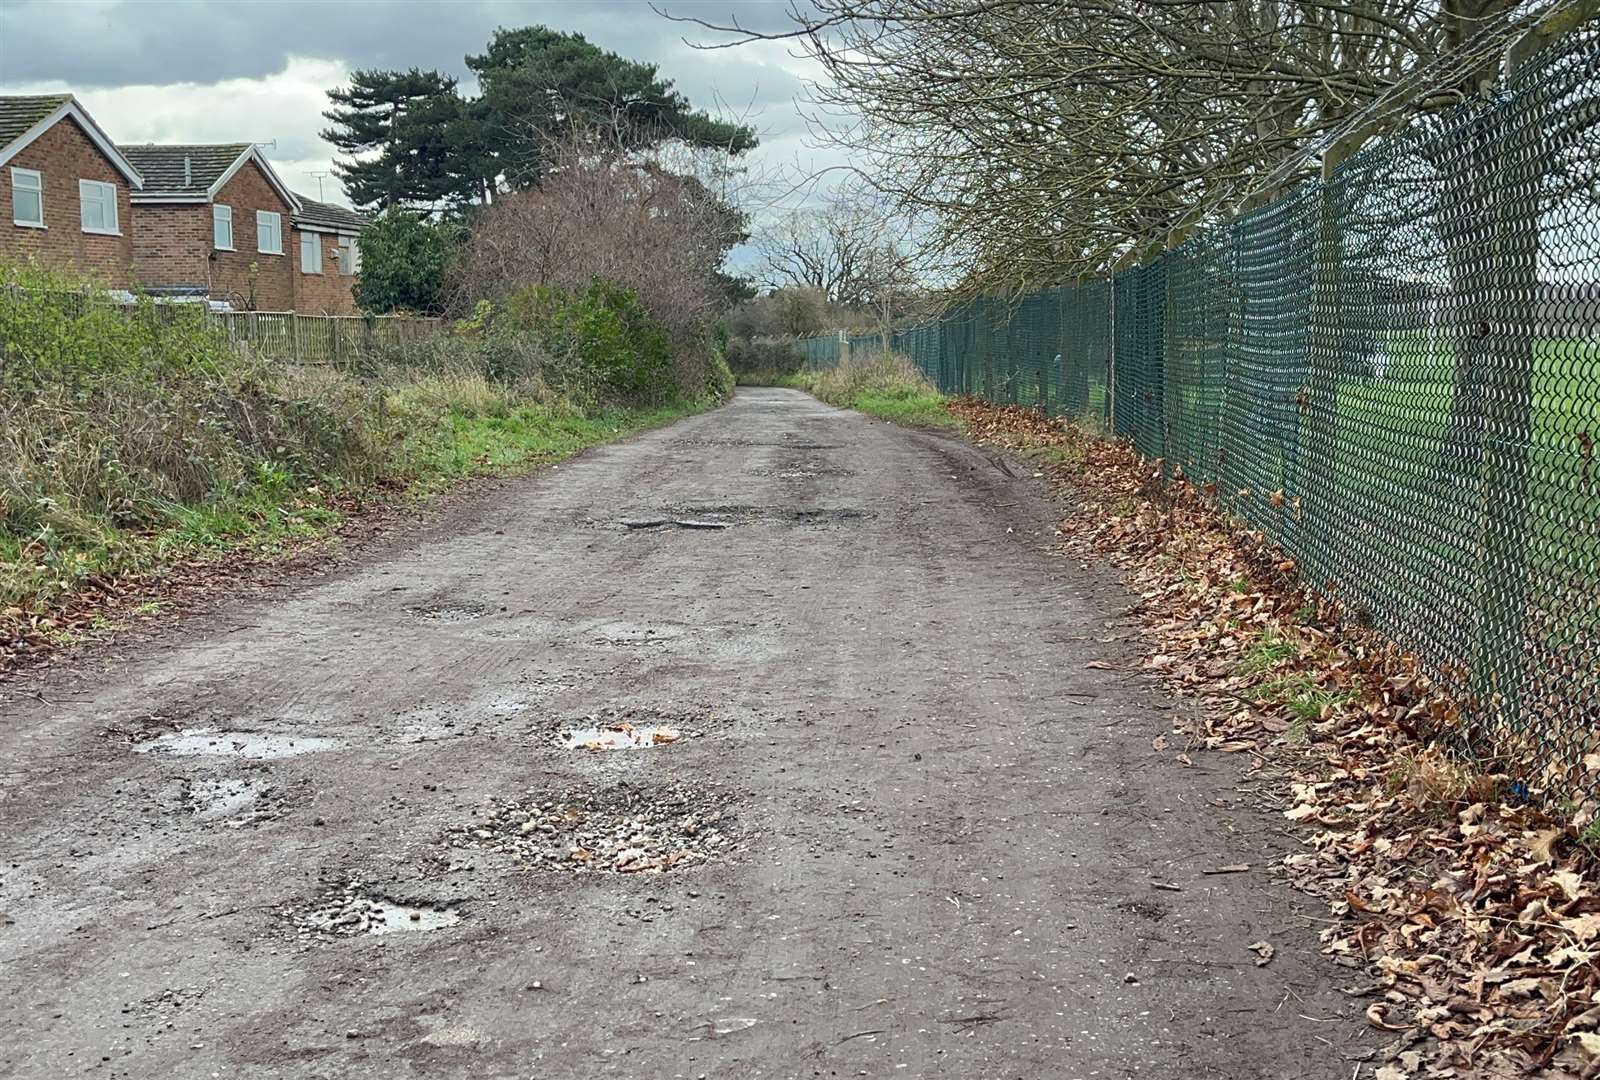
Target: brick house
x=214, y=220
x=327, y=257
x=65, y=189
x=218, y=221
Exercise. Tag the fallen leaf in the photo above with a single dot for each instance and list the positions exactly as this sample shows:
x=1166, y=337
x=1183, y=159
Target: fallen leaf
x=1264, y=952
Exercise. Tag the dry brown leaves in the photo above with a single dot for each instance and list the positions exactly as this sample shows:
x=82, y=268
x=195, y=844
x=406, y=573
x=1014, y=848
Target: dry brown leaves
x=1473, y=915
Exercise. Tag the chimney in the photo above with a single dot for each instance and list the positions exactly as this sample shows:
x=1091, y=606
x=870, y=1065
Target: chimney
x=188, y=175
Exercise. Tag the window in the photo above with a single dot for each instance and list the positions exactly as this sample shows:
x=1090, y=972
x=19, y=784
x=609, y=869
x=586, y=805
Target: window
x=222, y=227
x=349, y=256
x=27, y=198
x=269, y=232
x=97, y=206
x=310, y=253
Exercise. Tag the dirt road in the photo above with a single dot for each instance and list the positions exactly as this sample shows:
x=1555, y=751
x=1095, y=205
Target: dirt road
x=908, y=826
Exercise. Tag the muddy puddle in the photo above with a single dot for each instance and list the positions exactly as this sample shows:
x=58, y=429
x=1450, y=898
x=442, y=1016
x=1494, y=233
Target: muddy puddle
x=620, y=737
x=251, y=745
x=618, y=829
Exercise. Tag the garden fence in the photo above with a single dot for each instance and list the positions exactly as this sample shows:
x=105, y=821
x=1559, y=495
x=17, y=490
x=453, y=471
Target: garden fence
x=1393, y=372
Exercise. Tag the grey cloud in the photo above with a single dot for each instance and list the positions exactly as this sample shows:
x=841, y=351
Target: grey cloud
x=123, y=42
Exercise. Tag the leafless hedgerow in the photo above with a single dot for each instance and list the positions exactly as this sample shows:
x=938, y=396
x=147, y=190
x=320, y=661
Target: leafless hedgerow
x=656, y=222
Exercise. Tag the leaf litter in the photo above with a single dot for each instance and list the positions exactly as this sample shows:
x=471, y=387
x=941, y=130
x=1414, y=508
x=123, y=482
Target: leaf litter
x=1467, y=899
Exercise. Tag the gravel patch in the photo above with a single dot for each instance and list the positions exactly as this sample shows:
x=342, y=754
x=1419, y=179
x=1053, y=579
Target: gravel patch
x=621, y=829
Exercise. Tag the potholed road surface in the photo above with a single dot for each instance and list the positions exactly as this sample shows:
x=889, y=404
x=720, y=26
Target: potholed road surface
x=872, y=808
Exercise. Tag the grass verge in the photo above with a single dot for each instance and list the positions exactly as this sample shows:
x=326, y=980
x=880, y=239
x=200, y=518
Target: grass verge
x=134, y=441
x=885, y=385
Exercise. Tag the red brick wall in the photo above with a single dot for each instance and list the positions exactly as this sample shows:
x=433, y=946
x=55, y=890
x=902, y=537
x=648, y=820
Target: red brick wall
x=273, y=284
x=327, y=293
x=171, y=242
x=64, y=155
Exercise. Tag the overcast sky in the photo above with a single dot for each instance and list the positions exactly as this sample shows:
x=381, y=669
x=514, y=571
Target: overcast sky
x=259, y=70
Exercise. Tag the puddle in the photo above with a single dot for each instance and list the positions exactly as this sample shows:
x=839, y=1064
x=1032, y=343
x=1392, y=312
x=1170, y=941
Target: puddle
x=210, y=800
x=619, y=737
x=348, y=910
x=253, y=745
x=385, y=917
x=618, y=830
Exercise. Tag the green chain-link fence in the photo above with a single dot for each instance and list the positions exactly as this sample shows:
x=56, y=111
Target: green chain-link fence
x=1395, y=373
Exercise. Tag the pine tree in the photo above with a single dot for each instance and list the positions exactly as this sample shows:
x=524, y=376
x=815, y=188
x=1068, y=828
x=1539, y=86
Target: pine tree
x=403, y=130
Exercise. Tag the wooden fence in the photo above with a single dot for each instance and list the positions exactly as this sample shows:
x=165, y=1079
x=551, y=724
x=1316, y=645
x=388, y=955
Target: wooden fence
x=318, y=339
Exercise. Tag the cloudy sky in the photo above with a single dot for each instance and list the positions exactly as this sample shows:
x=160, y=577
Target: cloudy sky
x=259, y=70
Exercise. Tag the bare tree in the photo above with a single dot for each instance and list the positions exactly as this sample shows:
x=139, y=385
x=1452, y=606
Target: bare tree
x=851, y=250
x=1045, y=139
x=659, y=222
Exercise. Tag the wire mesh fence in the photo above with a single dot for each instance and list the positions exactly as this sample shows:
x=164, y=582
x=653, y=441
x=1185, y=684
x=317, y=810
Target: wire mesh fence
x=1394, y=372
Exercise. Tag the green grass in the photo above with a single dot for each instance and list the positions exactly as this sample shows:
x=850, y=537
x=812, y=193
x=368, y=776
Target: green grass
x=885, y=385
x=528, y=436
x=1265, y=652
x=912, y=410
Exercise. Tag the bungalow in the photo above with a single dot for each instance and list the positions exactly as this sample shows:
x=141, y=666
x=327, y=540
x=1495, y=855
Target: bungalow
x=65, y=189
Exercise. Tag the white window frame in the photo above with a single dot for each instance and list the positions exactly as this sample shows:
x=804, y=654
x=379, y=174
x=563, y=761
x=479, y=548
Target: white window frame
x=38, y=189
x=104, y=194
x=313, y=242
x=221, y=213
x=263, y=219
x=349, y=257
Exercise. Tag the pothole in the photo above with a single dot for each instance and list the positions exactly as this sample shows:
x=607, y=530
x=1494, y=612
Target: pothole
x=713, y=518
x=351, y=909
x=673, y=523
x=450, y=613
x=626, y=633
x=620, y=829
x=214, y=800
x=252, y=745
x=629, y=729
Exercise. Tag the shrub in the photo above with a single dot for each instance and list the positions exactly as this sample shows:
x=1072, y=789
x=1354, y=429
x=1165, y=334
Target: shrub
x=404, y=259
x=605, y=346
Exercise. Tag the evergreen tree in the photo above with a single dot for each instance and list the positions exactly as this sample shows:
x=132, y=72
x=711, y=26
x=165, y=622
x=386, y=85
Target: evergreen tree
x=540, y=84
x=413, y=142
x=407, y=127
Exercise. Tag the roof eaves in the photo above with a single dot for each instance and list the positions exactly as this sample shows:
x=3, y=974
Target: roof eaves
x=253, y=153
x=71, y=107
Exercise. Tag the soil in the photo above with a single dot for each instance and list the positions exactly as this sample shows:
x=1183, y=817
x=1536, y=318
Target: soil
x=920, y=828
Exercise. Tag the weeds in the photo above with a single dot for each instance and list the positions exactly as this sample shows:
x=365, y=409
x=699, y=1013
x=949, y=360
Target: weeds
x=131, y=439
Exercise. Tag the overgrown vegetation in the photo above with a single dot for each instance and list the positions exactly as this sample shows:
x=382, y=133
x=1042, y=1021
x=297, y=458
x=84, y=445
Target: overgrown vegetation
x=131, y=438
x=886, y=385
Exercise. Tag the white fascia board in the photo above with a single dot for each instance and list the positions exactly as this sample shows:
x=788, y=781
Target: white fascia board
x=102, y=142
